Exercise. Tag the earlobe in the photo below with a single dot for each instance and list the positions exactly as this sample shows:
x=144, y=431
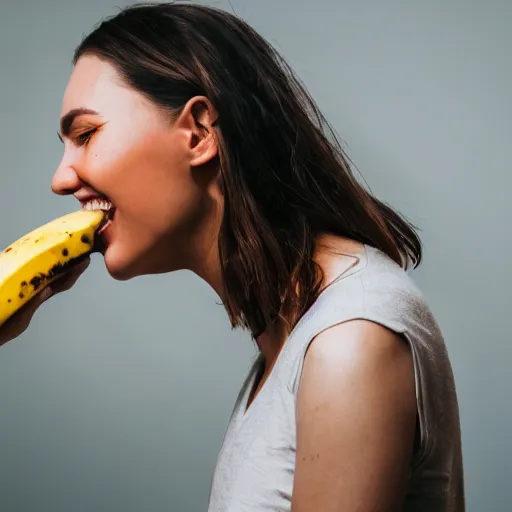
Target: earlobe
x=200, y=119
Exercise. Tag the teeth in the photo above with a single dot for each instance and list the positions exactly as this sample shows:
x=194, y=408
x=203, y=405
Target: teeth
x=97, y=204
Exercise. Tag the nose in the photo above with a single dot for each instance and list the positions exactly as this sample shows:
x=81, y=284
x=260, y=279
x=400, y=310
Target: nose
x=65, y=181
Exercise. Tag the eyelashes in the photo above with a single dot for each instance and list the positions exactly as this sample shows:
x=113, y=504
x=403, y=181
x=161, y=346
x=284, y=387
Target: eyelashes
x=85, y=137
x=79, y=139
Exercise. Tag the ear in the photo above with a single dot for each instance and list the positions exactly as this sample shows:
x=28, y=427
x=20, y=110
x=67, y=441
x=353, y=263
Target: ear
x=198, y=118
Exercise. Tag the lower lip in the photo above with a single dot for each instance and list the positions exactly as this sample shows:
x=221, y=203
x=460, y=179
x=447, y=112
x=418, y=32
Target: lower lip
x=106, y=225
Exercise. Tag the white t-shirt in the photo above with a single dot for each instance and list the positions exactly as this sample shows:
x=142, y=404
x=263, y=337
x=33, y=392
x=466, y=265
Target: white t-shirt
x=256, y=464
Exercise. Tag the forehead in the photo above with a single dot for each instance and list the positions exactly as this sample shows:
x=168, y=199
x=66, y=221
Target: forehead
x=93, y=83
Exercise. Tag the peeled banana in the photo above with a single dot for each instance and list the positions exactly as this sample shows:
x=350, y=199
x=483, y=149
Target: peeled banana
x=31, y=263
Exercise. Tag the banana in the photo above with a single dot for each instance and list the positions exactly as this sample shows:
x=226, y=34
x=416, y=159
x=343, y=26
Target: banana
x=34, y=261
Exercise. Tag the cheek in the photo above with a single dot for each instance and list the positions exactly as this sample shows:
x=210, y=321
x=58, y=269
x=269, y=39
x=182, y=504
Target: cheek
x=155, y=233
x=149, y=182
x=161, y=211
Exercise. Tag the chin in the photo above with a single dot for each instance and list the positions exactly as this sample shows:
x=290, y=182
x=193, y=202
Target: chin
x=123, y=266
x=120, y=273
x=120, y=268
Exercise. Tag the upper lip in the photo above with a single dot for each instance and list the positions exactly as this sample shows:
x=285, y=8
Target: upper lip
x=85, y=198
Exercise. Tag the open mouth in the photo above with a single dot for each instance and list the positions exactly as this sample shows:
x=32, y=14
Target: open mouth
x=105, y=205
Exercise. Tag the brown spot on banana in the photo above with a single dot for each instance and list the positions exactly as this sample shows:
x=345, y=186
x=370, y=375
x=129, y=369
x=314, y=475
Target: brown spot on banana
x=37, y=280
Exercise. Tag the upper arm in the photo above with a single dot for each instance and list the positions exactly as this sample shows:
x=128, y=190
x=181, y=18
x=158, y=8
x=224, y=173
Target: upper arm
x=356, y=416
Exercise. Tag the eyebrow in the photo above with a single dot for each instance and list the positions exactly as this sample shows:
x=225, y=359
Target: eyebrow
x=66, y=121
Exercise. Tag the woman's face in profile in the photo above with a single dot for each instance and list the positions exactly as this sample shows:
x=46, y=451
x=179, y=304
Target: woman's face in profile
x=120, y=146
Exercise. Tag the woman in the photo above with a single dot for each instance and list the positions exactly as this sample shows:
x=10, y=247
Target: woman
x=215, y=159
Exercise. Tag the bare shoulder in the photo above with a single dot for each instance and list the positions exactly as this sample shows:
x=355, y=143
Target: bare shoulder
x=364, y=358
x=358, y=343
x=356, y=415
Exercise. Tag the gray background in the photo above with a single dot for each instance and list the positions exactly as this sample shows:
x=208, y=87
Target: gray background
x=117, y=397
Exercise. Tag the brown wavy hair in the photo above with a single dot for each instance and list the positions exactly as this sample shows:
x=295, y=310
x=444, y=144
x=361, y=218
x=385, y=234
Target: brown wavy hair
x=284, y=175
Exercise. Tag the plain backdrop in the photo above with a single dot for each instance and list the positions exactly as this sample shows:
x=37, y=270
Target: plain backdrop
x=117, y=397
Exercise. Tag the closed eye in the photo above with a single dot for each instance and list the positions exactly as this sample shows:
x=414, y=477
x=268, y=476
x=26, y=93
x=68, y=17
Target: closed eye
x=84, y=138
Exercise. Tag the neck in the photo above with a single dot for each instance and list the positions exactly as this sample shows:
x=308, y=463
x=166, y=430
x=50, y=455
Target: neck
x=204, y=257
x=272, y=339
x=271, y=342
